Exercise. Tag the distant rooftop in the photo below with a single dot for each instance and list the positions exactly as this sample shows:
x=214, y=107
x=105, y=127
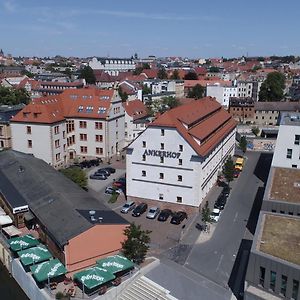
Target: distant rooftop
x=285, y=185
x=280, y=237
x=292, y=118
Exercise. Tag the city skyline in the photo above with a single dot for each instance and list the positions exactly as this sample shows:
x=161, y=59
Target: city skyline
x=73, y=28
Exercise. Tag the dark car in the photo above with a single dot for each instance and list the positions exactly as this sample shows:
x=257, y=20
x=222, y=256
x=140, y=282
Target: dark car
x=102, y=171
x=122, y=179
x=98, y=176
x=178, y=217
x=221, y=202
x=110, y=170
x=96, y=162
x=236, y=173
x=140, y=209
x=164, y=215
x=226, y=190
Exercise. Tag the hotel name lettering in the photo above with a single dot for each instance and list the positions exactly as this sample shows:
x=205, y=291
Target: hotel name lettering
x=162, y=153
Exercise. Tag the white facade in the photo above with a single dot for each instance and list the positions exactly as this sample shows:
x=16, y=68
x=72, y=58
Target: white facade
x=221, y=93
x=132, y=129
x=180, y=176
x=112, y=66
x=287, y=149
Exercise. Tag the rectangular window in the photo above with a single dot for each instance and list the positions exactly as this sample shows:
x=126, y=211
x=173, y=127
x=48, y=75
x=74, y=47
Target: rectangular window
x=99, y=151
x=289, y=153
x=98, y=125
x=283, y=285
x=161, y=159
x=179, y=177
x=162, y=146
x=125, y=124
x=144, y=173
x=82, y=124
x=117, y=123
x=294, y=166
x=56, y=143
x=297, y=139
x=161, y=175
x=28, y=129
x=64, y=134
x=83, y=149
x=272, y=280
x=56, y=129
x=179, y=199
x=29, y=143
x=180, y=162
x=99, y=138
x=144, y=144
x=161, y=196
x=162, y=132
x=144, y=157
x=262, y=272
x=295, y=290
x=57, y=156
x=180, y=148
x=83, y=137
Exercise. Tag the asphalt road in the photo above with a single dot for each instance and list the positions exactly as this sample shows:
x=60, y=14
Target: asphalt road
x=215, y=258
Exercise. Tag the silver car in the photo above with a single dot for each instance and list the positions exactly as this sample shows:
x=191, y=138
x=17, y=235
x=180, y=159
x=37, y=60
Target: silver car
x=128, y=206
x=153, y=212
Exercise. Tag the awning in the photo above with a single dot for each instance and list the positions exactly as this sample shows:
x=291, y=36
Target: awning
x=5, y=220
x=48, y=269
x=115, y=263
x=12, y=230
x=94, y=277
x=34, y=255
x=22, y=242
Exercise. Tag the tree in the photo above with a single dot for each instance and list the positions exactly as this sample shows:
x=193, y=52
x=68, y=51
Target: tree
x=123, y=95
x=162, y=105
x=162, y=74
x=76, y=175
x=272, y=88
x=243, y=144
x=191, y=76
x=228, y=170
x=136, y=245
x=196, y=92
x=146, y=90
x=206, y=213
x=88, y=74
x=175, y=75
x=12, y=96
x=27, y=73
x=214, y=69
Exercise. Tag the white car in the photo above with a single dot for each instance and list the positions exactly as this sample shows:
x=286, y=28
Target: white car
x=152, y=213
x=128, y=206
x=215, y=215
x=110, y=190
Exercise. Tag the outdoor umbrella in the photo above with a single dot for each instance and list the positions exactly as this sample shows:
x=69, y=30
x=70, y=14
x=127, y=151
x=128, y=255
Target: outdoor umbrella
x=115, y=263
x=48, y=269
x=22, y=242
x=94, y=277
x=34, y=255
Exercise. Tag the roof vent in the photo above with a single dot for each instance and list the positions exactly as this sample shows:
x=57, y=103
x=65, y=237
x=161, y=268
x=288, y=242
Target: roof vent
x=21, y=169
x=100, y=219
x=93, y=219
x=92, y=212
x=297, y=184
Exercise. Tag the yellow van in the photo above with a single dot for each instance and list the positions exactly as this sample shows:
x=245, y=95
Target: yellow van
x=239, y=163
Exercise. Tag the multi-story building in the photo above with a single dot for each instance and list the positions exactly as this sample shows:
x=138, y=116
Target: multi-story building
x=221, y=93
x=79, y=123
x=242, y=109
x=112, y=66
x=178, y=157
x=248, y=89
x=6, y=113
x=162, y=86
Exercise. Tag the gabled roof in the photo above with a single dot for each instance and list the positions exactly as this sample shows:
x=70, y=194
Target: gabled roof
x=150, y=73
x=202, y=123
x=135, y=109
x=54, y=199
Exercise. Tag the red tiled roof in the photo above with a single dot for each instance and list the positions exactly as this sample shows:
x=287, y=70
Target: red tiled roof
x=203, y=121
x=150, y=73
x=136, y=109
x=205, y=82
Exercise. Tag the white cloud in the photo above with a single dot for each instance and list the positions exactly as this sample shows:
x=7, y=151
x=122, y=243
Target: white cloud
x=9, y=6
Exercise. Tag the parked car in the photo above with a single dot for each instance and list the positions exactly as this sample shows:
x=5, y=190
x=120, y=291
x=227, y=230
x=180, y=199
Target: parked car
x=215, y=215
x=110, y=170
x=119, y=184
x=226, y=190
x=98, y=176
x=122, y=179
x=220, y=203
x=153, y=212
x=103, y=171
x=96, y=162
x=139, y=210
x=164, y=215
x=178, y=217
x=236, y=173
x=110, y=190
x=128, y=206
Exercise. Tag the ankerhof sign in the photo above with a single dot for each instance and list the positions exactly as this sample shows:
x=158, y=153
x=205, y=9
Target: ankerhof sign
x=162, y=153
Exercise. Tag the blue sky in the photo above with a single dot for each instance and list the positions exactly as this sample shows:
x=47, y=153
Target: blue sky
x=193, y=28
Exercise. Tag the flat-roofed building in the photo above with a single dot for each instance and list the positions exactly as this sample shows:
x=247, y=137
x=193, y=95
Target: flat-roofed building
x=274, y=263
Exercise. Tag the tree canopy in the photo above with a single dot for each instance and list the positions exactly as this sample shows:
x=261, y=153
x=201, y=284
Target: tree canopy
x=12, y=96
x=243, y=144
x=76, y=175
x=136, y=246
x=123, y=95
x=272, y=88
x=191, y=76
x=228, y=169
x=163, y=105
x=146, y=90
x=88, y=74
x=196, y=92
x=175, y=75
x=214, y=69
x=206, y=213
x=162, y=74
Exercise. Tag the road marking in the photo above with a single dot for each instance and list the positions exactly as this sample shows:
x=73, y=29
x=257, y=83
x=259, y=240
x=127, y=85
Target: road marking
x=235, y=217
x=220, y=261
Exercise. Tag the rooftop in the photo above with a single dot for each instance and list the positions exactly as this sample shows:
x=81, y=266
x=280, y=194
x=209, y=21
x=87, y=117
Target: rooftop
x=280, y=237
x=285, y=185
x=290, y=119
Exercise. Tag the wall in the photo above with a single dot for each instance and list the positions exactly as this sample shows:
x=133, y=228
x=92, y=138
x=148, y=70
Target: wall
x=99, y=241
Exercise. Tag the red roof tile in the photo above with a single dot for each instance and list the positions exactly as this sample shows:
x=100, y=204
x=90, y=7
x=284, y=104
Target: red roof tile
x=136, y=109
